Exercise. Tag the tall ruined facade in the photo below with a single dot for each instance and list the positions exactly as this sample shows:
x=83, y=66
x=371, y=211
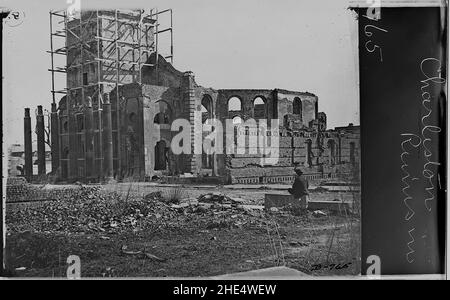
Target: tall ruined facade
x=122, y=97
x=104, y=50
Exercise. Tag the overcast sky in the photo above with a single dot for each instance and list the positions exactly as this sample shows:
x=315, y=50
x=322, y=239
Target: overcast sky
x=305, y=45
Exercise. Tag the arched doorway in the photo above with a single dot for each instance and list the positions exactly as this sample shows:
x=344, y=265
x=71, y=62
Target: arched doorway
x=207, y=156
x=332, y=151
x=237, y=121
x=309, y=154
x=161, y=156
x=207, y=108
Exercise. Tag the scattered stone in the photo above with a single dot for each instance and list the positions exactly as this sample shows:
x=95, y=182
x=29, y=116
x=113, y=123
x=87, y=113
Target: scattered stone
x=153, y=196
x=216, y=224
x=180, y=206
x=274, y=210
x=154, y=257
x=319, y=214
x=155, y=178
x=124, y=250
x=201, y=209
x=214, y=198
x=236, y=201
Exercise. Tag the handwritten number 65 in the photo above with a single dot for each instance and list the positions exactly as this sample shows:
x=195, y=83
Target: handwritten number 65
x=370, y=34
x=374, y=48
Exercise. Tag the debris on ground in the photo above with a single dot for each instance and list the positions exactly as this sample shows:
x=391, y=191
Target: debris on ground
x=92, y=210
x=141, y=254
x=274, y=210
x=216, y=197
x=154, y=257
x=319, y=189
x=319, y=214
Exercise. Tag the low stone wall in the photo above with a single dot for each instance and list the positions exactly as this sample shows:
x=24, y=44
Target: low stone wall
x=19, y=190
x=281, y=200
x=284, y=177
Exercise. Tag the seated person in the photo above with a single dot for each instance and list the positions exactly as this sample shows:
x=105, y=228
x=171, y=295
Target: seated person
x=300, y=189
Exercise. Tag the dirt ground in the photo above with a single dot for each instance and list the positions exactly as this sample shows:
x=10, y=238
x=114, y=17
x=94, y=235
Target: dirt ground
x=169, y=241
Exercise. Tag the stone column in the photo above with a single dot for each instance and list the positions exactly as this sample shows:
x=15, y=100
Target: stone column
x=40, y=131
x=54, y=139
x=89, y=135
x=107, y=139
x=28, y=168
x=188, y=91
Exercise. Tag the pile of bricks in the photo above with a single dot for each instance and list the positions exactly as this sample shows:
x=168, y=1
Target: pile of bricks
x=19, y=190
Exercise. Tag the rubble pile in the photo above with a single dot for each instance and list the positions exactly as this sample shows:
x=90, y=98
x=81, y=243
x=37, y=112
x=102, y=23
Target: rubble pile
x=91, y=210
x=88, y=210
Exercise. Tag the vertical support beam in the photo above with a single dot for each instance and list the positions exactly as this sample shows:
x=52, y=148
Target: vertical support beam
x=156, y=46
x=118, y=65
x=54, y=131
x=51, y=56
x=73, y=147
x=89, y=135
x=213, y=116
x=40, y=140
x=214, y=164
x=171, y=36
x=28, y=146
x=100, y=159
x=340, y=148
x=190, y=112
x=107, y=138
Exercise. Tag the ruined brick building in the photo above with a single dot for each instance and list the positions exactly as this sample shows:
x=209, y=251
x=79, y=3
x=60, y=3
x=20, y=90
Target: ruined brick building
x=114, y=117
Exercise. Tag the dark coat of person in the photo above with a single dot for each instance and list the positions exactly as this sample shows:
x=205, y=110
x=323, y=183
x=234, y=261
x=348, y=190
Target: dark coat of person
x=300, y=187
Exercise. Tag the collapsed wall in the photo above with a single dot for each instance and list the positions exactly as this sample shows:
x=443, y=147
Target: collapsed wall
x=321, y=155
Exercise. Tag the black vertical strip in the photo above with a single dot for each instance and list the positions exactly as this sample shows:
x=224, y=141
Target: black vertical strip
x=3, y=270
x=403, y=88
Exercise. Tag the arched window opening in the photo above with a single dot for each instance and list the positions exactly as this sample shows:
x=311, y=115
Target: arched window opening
x=237, y=120
x=234, y=104
x=207, y=108
x=259, y=108
x=297, y=106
